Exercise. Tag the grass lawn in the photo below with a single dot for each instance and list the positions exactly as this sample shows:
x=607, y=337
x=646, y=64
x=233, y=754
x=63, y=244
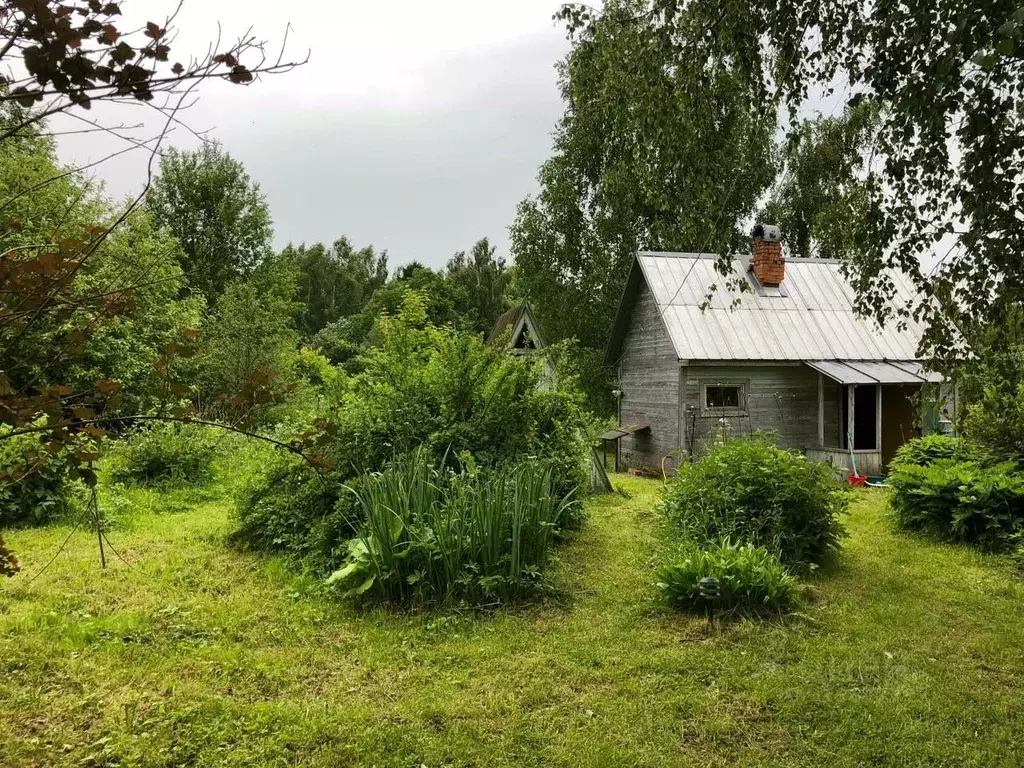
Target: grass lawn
x=909, y=653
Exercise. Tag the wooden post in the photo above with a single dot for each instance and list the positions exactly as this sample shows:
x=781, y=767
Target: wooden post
x=851, y=400
x=681, y=409
x=878, y=417
x=821, y=410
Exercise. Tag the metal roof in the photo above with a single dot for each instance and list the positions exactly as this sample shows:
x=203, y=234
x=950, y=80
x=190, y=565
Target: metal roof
x=810, y=317
x=874, y=372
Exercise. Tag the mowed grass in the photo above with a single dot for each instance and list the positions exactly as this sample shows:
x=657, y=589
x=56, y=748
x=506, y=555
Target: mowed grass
x=907, y=653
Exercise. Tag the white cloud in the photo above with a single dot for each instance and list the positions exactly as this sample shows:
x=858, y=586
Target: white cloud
x=415, y=126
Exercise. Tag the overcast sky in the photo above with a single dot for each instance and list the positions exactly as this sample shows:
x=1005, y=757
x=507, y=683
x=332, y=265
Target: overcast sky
x=416, y=126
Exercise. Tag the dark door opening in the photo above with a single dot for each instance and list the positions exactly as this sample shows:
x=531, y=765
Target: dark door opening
x=901, y=420
x=865, y=418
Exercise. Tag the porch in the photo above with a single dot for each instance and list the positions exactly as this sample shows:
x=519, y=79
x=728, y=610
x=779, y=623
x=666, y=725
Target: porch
x=879, y=408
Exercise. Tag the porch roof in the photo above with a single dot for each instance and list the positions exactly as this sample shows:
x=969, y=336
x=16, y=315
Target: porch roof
x=875, y=371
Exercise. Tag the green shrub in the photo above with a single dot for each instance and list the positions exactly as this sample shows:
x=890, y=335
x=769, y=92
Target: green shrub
x=164, y=453
x=457, y=396
x=35, y=484
x=436, y=390
x=960, y=501
x=925, y=451
x=749, y=578
x=434, y=537
x=996, y=420
x=294, y=510
x=751, y=491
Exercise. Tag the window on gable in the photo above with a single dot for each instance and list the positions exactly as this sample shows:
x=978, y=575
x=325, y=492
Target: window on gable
x=724, y=398
x=524, y=341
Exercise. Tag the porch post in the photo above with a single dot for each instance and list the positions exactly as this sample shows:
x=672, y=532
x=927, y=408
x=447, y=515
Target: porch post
x=821, y=410
x=851, y=400
x=878, y=417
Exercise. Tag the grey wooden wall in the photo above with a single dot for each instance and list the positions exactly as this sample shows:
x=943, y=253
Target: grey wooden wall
x=780, y=398
x=649, y=381
x=834, y=426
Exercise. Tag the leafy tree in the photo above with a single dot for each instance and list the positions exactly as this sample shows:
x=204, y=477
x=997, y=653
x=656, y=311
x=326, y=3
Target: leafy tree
x=220, y=217
x=74, y=55
x=249, y=346
x=655, y=151
x=334, y=282
x=483, y=280
x=821, y=199
x=945, y=181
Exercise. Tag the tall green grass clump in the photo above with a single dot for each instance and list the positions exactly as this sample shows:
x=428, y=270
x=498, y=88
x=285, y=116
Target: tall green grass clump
x=749, y=578
x=433, y=537
x=750, y=491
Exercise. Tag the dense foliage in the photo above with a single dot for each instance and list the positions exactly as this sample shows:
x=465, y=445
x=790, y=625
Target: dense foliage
x=961, y=501
x=749, y=577
x=334, y=282
x=437, y=537
x=164, y=453
x=118, y=309
x=444, y=394
x=996, y=419
x=248, y=347
x=925, y=451
x=820, y=200
x=751, y=491
x=35, y=481
x=469, y=294
x=294, y=509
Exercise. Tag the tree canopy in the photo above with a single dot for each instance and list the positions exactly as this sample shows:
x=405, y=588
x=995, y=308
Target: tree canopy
x=820, y=200
x=334, y=282
x=220, y=217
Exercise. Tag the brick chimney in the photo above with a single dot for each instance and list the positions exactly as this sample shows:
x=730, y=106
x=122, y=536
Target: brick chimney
x=768, y=264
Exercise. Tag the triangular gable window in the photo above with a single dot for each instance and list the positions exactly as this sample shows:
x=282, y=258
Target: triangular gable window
x=524, y=340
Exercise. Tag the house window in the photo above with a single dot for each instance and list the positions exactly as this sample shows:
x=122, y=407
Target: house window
x=724, y=398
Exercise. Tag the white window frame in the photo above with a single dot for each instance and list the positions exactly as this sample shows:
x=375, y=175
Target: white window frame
x=742, y=410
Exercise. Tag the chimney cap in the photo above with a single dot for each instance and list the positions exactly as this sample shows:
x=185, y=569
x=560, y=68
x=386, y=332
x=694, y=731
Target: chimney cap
x=768, y=232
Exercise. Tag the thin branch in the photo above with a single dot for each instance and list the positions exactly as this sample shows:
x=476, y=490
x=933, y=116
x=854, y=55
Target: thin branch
x=174, y=419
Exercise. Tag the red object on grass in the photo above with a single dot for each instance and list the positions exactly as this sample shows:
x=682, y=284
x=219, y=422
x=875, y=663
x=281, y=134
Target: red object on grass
x=858, y=481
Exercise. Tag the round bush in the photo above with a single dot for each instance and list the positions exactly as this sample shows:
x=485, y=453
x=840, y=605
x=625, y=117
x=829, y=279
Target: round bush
x=749, y=577
x=925, y=451
x=751, y=491
x=165, y=453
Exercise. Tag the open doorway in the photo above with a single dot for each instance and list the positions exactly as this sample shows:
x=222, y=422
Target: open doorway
x=865, y=418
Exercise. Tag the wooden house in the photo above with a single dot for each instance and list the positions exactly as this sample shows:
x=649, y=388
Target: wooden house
x=791, y=355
